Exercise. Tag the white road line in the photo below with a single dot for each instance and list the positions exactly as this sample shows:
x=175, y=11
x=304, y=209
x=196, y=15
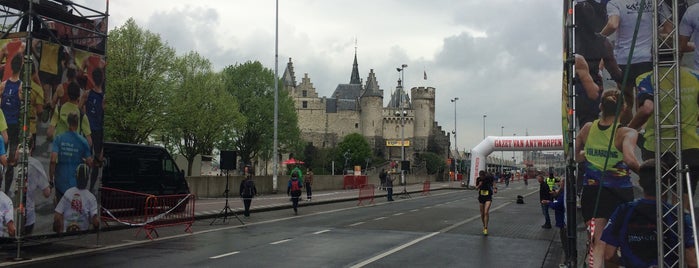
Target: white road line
x=280, y=241
x=224, y=255
x=323, y=231
x=393, y=250
x=414, y=210
x=398, y=214
x=379, y=218
x=356, y=223
x=401, y=247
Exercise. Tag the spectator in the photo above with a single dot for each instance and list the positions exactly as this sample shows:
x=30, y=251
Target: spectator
x=294, y=190
x=638, y=220
x=544, y=200
x=308, y=183
x=247, y=191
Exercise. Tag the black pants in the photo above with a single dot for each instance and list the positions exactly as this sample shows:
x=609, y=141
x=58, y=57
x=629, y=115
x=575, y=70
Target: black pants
x=295, y=201
x=309, y=193
x=246, y=203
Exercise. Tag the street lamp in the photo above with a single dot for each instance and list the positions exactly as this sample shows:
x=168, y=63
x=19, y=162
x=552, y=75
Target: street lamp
x=484, y=116
x=401, y=70
x=456, y=148
x=502, y=153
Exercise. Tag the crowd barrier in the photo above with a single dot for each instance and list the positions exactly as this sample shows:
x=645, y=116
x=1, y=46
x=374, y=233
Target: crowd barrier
x=353, y=182
x=145, y=210
x=366, y=192
x=426, y=188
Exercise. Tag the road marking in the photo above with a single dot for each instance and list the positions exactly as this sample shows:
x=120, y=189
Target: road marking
x=379, y=218
x=398, y=214
x=393, y=250
x=323, y=231
x=401, y=247
x=415, y=210
x=356, y=223
x=224, y=255
x=280, y=241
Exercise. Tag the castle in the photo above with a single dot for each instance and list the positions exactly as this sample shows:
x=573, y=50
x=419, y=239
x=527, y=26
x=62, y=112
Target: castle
x=357, y=108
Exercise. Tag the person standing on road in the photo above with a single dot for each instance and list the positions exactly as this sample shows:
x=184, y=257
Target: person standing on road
x=247, y=191
x=294, y=189
x=544, y=200
x=389, y=186
x=308, y=183
x=382, y=179
x=486, y=188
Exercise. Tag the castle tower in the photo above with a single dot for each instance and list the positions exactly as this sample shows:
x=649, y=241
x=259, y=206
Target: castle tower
x=289, y=77
x=371, y=107
x=423, y=105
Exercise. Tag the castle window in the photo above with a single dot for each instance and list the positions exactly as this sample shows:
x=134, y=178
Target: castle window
x=304, y=104
x=356, y=125
x=304, y=93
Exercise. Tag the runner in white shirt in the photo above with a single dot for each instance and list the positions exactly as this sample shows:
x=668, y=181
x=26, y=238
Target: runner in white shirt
x=77, y=209
x=689, y=31
x=37, y=180
x=7, y=216
x=621, y=19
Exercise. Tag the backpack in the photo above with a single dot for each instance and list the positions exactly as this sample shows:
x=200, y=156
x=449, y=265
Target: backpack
x=248, y=189
x=295, y=186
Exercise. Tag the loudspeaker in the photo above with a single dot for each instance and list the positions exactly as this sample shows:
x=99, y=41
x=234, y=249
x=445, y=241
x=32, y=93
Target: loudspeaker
x=228, y=160
x=405, y=165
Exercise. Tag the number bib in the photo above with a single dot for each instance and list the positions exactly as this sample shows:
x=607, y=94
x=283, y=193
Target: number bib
x=484, y=192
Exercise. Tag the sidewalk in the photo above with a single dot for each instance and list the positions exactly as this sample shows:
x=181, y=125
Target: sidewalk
x=210, y=207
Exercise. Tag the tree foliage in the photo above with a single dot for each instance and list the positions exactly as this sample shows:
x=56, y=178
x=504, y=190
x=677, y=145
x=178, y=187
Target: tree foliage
x=433, y=163
x=253, y=86
x=138, y=82
x=352, y=151
x=199, y=108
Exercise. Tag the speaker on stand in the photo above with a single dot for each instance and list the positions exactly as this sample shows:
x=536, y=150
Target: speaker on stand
x=227, y=163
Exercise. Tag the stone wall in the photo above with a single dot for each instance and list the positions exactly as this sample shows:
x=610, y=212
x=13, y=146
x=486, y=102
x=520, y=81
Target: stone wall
x=214, y=186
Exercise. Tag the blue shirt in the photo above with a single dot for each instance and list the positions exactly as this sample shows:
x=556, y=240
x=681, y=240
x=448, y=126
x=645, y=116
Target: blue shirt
x=71, y=149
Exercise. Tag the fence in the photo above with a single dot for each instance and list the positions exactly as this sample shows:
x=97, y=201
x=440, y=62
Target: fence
x=366, y=192
x=426, y=188
x=353, y=182
x=145, y=210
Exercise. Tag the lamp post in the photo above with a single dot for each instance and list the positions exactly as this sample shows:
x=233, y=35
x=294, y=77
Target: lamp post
x=502, y=153
x=484, y=116
x=401, y=69
x=456, y=148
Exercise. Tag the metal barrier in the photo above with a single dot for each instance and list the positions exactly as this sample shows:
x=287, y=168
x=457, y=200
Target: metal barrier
x=354, y=182
x=426, y=188
x=169, y=210
x=366, y=192
x=145, y=210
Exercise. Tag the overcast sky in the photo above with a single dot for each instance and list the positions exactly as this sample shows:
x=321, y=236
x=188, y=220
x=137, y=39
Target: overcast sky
x=501, y=58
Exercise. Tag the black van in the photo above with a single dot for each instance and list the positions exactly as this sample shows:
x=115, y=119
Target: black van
x=142, y=168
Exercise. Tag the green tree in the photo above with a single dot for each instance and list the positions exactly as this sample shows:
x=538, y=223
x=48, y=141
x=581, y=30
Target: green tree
x=199, y=109
x=137, y=73
x=352, y=151
x=433, y=163
x=253, y=86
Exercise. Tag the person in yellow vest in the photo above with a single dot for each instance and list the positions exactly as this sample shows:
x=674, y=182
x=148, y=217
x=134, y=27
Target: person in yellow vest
x=552, y=181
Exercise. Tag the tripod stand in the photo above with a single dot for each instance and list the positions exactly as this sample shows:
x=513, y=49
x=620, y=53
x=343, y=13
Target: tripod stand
x=223, y=215
x=404, y=193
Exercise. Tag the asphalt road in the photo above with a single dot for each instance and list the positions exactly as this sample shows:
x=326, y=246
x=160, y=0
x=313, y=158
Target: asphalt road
x=440, y=230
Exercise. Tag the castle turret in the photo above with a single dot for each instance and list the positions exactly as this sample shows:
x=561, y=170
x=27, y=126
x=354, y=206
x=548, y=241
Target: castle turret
x=423, y=105
x=371, y=118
